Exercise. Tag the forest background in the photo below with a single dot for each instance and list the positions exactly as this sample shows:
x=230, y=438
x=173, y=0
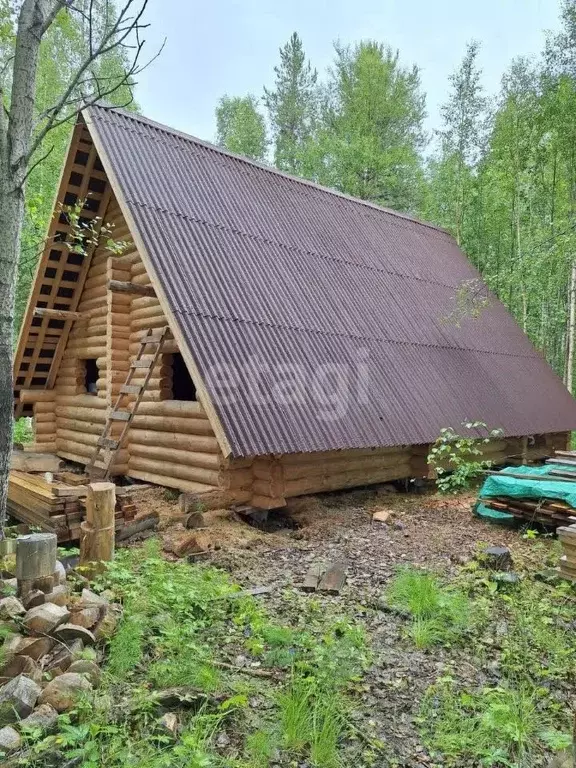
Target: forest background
x=499, y=174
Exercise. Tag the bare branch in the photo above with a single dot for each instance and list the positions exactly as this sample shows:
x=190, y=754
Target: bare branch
x=114, y=37
x=41, y=159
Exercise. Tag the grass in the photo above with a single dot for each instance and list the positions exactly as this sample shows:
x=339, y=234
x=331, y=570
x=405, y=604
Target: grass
x=439, y=614
x=177, y=625
x=23, y=431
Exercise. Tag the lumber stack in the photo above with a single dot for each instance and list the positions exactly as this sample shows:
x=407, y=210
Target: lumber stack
x=58, y=507
x=548, y=512
x=567, y=537
x=52, y=506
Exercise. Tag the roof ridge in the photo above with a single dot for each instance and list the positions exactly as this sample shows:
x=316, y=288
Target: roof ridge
x=264, y=166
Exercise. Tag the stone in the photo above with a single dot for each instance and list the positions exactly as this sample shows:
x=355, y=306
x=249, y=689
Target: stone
x=44, y=717
x=59, y=574
x=10, y=739
x=69, y=632
x=17, y=699
x=58, y=596
x=168, y=723
x=91, y=598
x=34, y=598
x=34, y=647
x=497, y=558
x=63, y=692
x=88, y=668
x=108, y=623
x=62, y=656
x=20, y=665
x=10, y=607
x=381, y=516
x=44, y=619
x=86, y=617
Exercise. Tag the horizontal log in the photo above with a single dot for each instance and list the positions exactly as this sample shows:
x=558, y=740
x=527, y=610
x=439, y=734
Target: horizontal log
x=44, y=407
x=132, y=288
x=195, y=474
x=335, y=482
x=57, y=314
x=172, y=482
x=164, y=453
x=158, y=321
x=91, y=415
x=147, y=312
x=76, y=425
x=44, y=417
x=77, y=435
x=85, y=401
x=364, y=463
x=80, y=449
x=142, y=279
x=28, y=396
x=307, y=458
x=138, y=268
x=143, y=302
x=236, y=478
x=73, y=389
x=266, y=502
x=180, y=408
x=191, y=427
x=44, y=427
x=201, y=443
x=45, y=447
x=117, y=470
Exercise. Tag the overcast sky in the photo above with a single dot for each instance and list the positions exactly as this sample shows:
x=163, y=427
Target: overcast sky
x=231, y=46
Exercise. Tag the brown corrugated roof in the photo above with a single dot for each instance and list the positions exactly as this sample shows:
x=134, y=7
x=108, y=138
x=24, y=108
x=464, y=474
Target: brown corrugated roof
x=273, y=278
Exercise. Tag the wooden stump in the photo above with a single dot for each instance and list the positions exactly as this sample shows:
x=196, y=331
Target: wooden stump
x=97, y=531
x=35, y=562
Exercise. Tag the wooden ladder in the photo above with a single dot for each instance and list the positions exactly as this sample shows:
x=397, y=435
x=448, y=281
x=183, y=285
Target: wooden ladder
x=120, y=411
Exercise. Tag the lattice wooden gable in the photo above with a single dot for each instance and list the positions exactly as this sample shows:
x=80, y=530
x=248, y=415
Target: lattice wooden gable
x=60, y=273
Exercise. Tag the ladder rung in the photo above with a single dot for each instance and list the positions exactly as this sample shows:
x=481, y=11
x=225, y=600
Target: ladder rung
x=107, y=442
x=130, y=389
x=152, y=338
x=120, y=416
x=141, y=363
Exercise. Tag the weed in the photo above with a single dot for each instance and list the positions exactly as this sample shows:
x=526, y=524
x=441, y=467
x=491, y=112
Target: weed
x=170, y=494
x=501, y=725
x=295, y=713
x=126, y=647
x=439, y=613
x=457, y=459
x=260, y=747
x=184, y=668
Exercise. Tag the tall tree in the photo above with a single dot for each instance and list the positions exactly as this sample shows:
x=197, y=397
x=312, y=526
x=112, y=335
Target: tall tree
x=370, y=142
x=23, y=133
x=292, y=106
x=461, y=139
x=240, y=127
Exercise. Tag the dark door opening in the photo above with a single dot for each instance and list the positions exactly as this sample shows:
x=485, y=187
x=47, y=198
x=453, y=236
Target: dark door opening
x=91, y=377
x=182, y=385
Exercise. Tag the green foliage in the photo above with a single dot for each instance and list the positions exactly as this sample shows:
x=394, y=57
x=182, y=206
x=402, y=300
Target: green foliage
x=312, y=720
x=494, y=726
x=456, y=459
x=439, y=614
x=127, y=646
x=241, y=127
x=292, y=106
x=23, y=432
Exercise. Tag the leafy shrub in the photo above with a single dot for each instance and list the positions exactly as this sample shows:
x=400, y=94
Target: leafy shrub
x=457, y=459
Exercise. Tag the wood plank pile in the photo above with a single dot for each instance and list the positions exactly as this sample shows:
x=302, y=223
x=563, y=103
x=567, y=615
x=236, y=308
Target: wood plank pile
x=549, y=512
x=52, y=506
x=56, y=506
x=567, y=537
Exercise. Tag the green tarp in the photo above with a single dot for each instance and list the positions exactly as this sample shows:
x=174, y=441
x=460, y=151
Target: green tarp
x=542, y=488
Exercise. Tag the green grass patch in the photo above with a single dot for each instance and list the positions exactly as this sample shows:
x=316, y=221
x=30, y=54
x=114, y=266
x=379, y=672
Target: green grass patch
x=439, y=613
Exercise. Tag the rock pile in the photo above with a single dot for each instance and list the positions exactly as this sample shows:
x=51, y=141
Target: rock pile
x=51, y=655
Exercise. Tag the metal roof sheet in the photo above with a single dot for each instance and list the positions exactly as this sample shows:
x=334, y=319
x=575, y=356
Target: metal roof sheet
x=317, y=321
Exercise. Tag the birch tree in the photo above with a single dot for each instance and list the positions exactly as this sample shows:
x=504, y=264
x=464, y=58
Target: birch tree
x=24, y=132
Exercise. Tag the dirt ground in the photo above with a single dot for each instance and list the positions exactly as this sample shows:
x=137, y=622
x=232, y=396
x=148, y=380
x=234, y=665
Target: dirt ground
x=424, y=530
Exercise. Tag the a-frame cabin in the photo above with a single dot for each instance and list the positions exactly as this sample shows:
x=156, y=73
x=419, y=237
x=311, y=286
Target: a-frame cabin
x=258, y=277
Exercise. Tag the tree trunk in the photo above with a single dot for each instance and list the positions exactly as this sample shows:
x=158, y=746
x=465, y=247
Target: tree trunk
x=571, y=329
x=11, y=213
